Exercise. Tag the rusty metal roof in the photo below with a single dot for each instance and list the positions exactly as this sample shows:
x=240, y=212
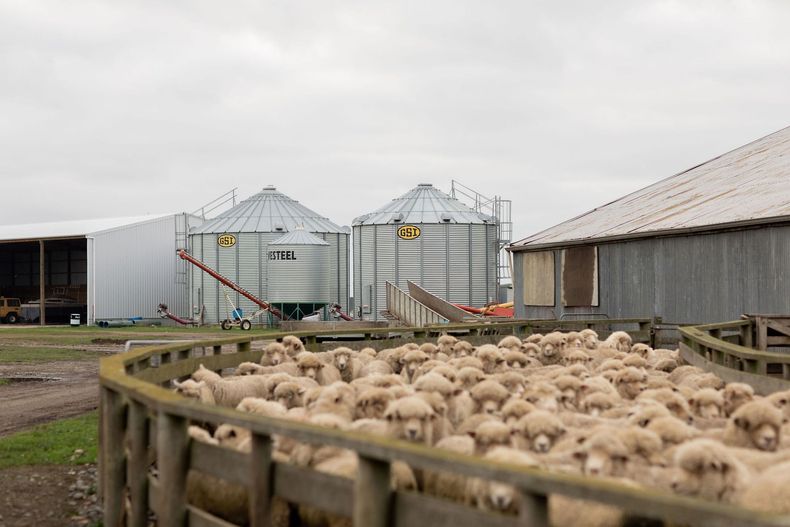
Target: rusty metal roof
x=748, y=185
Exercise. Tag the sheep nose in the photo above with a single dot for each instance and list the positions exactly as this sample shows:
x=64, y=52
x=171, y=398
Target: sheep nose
x=412, y=433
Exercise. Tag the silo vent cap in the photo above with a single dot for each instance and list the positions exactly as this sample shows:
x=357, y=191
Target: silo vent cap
x=425, y=185
x=269, y=187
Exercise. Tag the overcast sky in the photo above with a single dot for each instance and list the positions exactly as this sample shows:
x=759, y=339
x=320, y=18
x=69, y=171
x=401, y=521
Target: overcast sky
x=115, y=108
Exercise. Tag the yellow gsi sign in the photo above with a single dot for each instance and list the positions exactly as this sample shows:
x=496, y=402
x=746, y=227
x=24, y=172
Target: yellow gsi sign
x=226, y=240
x=408, y=232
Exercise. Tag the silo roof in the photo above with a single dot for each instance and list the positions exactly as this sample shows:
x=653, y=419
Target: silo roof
x=746, y=186
x=268, y=211
x=298, y=237
x=424, y=204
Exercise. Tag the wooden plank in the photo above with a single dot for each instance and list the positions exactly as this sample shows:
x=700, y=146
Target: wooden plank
x=778, y=341
x=410, y=509
x=372, y=502
x=779, y=327
x=172, y=447
x=761, y=328
x=261, y=472
x=762, y=385
x=199, y=518
x=112, y=455
x=154, y=493
x=534, y=510
x=220, y=462
x=332, y=494
x=137, y=468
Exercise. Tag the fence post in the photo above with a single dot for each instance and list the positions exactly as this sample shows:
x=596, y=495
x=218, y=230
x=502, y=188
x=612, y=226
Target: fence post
x=534, y=510
x=372, y=493
x=241, y=347
x=137, y=467
x=261, y=487
x=112, y=456
x=172, y=460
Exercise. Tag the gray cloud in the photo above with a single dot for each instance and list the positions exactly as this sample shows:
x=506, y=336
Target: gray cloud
x=123, y=108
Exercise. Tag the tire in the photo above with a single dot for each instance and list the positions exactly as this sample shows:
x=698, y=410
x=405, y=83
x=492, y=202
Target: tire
x=12, y=318
x=226, y=324
x=246, y=325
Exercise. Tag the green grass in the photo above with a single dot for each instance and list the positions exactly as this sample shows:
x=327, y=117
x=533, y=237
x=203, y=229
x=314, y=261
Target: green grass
x=33, y=354
x=3, y=382
x=53, y=443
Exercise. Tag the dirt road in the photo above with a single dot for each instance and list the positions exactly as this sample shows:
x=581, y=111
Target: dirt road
x=42, y=392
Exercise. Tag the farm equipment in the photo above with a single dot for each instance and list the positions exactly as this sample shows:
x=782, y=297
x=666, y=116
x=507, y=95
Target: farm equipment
x=236, y=316
x=163, y=312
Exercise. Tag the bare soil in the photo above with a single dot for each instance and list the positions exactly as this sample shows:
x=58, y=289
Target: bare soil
x=38, y=393
x=37, y=496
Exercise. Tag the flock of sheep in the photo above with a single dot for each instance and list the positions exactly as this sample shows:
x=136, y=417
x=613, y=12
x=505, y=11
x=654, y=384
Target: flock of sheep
x=562, y=401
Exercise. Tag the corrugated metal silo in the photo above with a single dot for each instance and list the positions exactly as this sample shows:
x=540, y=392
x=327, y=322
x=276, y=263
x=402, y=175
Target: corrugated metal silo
x=298, y=274
x=235, y=244
x=429, y=238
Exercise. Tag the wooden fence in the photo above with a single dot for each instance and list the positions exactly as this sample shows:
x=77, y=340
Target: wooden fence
x=144, y=424
x=728, y=350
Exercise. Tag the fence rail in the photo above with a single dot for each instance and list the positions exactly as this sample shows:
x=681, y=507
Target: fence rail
x=143, y=424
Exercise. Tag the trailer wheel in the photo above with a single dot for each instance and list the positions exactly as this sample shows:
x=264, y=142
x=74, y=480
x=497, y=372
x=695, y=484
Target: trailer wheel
x=246, y=325
x=12, y=318
x=226, y=324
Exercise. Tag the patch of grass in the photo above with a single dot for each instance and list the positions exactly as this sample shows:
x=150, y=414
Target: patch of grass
x=3, y=382
x=53, y=443
x=32, y=354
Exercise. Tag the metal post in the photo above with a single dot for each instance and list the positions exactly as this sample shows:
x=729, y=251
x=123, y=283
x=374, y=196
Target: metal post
x=42, y=278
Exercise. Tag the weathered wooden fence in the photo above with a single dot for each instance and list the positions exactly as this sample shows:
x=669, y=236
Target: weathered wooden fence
x=144, y=425
x=728, y=350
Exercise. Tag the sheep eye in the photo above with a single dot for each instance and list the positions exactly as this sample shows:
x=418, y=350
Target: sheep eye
x=232, y=433
x=644, y=422
x=783, y=401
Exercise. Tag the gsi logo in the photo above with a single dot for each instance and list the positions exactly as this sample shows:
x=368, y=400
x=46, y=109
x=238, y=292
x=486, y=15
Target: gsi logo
x=408, y=232
x=226, y=240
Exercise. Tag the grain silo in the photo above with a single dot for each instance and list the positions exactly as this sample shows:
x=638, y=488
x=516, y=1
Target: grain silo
x=298, y=274
x=429, y=238
x=235, y=244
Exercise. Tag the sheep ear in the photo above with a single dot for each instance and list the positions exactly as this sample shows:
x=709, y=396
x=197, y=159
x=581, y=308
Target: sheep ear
x=471, y=433
x=740, y=422
x=458, y=391
x=580, y=455
x=302, y=391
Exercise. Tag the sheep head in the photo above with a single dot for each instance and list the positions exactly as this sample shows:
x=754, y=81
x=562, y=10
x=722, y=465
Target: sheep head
x=411, y=418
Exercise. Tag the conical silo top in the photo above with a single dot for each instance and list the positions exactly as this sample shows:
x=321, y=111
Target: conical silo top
x=424, y=204
x=268, y=211
x=298, y=236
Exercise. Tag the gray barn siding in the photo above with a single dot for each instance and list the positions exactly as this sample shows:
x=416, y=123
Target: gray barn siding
x=702, y=278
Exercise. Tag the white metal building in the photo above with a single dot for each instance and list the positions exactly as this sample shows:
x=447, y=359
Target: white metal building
x=116, y=267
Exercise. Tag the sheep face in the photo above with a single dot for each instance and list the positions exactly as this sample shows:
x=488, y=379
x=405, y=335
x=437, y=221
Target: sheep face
x=515, y=409
x=590, y=338
x=341, y=358
x=707, y=403
x=247, y=368
x=289, y=394
x=543, y=396
x=705, y=470
x=551, y=347
x=781, y=400
x=538, y=431
x=372, y=403
x=735, y=395
x=516, y=359
x=309, y=366
x=640, y=349
x=531, y=349
x=189, y=388
x=293, y=345
x=761, y=423
x=602, y=455
x=643, y=414
x=462, y=348
x=630, y=382
x=490, y=434
x=597, y=403
x=492, y=358
x=445, y=344
x=412, y=360
x=274, y=354
x=411, y=418
x=577, y=356
x=513, y=382
x=509, y=343
x=489, y=397
x=574, y=340
x=469, y=377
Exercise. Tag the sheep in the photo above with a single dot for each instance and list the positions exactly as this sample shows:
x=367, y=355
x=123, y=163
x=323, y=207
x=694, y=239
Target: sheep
x=543, y=395
x=338, y=399
x=576, y=356
x=490, y=434
x=666, y=365
x=393, y=358
x=671, y=430
x=204, y=374
x=311, y=367
x=619, y=340
x=348, y=365
x=489, y=397
x=635, y=361
x=707, y=403
x=433, y=382
x=706, y=469
x=630, y=382
x=552, y=348
x=602, y=454
x=675, y=403
x=410, y=362
x=645, y=412
x=367, y=354
x=757, y=424
x=509, y=343
x=782, y=401
x=448, y=372
x=471, y=423
x=538, y=431
x=535, y=338
x=462, y=349
x=735, y=395
x=202, y=435
x=514, y=409
x=569, y=387
x=641, y=350
x=468, y=377
x=531, y=350
x=498, y=497
x=519, y=359
x=513, y=381
x=372, y=403
x=255, y=405
x=222, y=392
x=768, y=492
x=375, y=367
x=293, y=345
x=289, y=394
x=574, y=340
x=465, y=362
x=597, y=403
x=411, y=418
x=449, y=485
x=275, y=353
x=492, y=358
x=596, y=384
x=590, y=338
x=445, y=344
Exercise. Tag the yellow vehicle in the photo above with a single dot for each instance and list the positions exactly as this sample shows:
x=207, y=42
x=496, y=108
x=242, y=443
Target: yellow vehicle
x=10, y=309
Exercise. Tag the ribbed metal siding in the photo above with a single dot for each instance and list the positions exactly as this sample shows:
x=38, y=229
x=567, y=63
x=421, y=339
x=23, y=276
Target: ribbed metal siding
x=703, y=278
x=248, y=253
x=134, y=269
x=338, y=266
x=478, y=261
x=460, y=291
x=433, y=240
x=305, y=279
x=386, y=241
x=367, y=271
